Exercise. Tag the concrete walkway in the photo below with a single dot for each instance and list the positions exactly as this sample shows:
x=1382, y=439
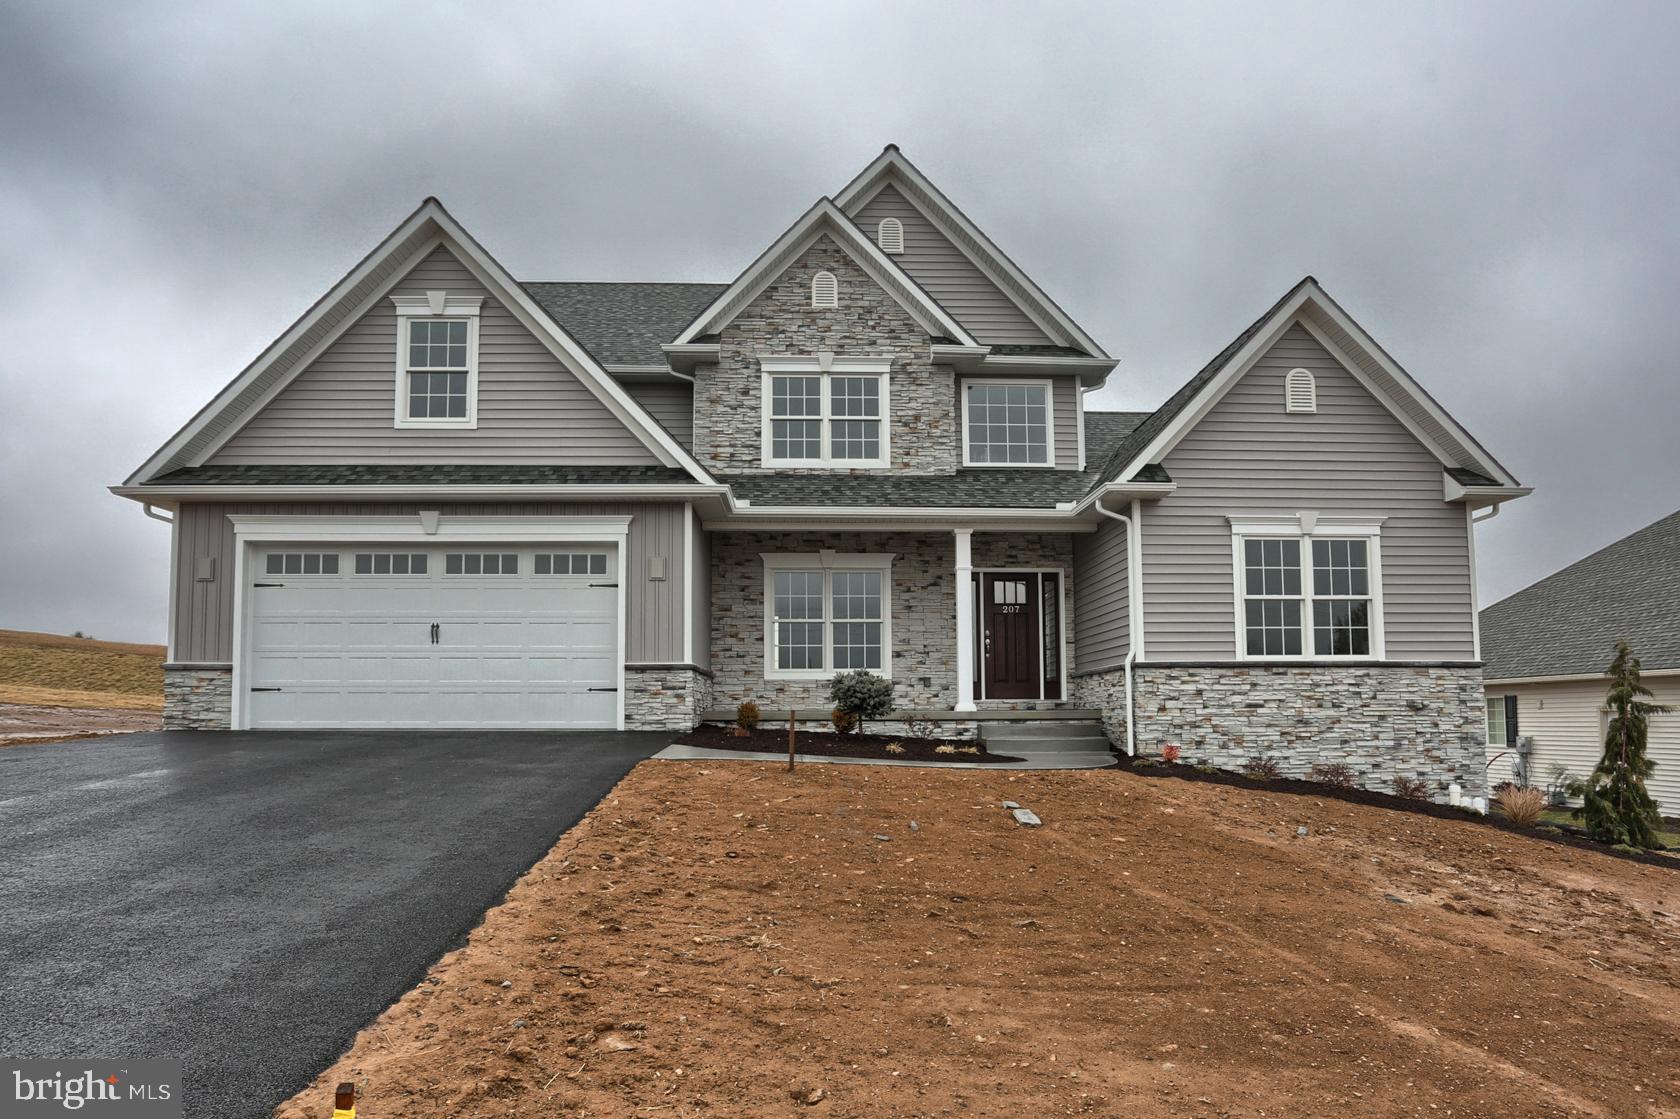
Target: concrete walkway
x=1045, y=760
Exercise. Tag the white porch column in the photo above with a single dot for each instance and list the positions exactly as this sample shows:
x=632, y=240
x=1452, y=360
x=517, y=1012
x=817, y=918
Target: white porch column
x=965, y=619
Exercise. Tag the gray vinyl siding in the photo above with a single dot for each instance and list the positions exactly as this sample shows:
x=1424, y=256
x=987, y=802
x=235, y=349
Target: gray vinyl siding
x=1101, y=634
x=702, y=592
x=949, y=276
x=1248, y=456
x=203, y=623
x=671, y=404
x=1064, y=417
x=531, y=408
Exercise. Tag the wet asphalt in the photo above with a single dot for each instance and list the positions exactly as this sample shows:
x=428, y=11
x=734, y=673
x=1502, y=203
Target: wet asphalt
x=247, y=901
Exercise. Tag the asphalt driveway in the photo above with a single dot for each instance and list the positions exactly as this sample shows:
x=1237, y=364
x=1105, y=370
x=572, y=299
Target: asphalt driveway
x=247, y=901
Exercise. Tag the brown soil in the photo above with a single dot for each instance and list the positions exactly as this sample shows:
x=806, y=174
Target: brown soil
x=28, y=724
x=50, y=670
x=726, y=941
x=832, y=745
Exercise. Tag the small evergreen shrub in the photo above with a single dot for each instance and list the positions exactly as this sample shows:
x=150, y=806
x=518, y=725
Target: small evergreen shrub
x=747, y=716
x=1615, y=804
x=862, y=695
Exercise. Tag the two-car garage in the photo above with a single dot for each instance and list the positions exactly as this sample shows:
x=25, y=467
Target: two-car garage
x=410, y=633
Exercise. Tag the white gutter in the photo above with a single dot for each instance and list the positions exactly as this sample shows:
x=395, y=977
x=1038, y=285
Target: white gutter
x=1134, y=612
x=146, y=507
x=625, y=490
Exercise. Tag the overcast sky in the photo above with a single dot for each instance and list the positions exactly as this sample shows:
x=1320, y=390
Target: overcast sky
x=1490, y=189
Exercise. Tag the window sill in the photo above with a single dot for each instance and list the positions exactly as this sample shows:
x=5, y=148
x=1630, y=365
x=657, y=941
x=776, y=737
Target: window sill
x=458, y=425
x=810, y=675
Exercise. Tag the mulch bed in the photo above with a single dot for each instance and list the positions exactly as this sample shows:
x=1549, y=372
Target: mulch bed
x=828, y=744
x=1549, y=833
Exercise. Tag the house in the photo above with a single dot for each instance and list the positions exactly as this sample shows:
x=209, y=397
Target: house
x=1546, y=649
x=446, y=497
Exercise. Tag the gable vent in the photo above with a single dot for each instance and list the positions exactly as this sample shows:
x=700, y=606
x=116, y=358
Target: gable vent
x=825, y=290
x=1300, y=393
x=891, y=235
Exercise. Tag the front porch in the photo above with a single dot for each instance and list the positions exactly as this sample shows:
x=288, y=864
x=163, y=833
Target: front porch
x=790, y=609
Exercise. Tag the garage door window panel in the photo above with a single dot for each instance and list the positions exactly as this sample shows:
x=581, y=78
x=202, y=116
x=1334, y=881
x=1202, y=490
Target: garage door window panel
x=390, y=563
x=481, y=563
x=301, y=563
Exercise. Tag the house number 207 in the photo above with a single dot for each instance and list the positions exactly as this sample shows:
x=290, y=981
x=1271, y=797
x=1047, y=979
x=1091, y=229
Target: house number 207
x=1012, y=609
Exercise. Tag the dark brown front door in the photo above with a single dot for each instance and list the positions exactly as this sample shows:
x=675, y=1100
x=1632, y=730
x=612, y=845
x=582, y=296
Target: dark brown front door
x=1009, y=640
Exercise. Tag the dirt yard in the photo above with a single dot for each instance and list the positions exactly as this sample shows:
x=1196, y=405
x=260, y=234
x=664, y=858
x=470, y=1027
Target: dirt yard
x=725, y=940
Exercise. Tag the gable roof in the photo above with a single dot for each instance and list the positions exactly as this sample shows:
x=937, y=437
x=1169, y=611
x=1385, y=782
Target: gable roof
x=892, y=167
x=429, y=226
x=825, y=217
x=1568, y=623
x=624, y=324
x=1309, y=304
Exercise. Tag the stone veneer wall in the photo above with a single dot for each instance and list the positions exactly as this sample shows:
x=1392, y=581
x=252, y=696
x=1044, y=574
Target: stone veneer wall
x=728, y=416
x=1004, y=551
x=197, y=698
x=1382, y=721
x=665, y=697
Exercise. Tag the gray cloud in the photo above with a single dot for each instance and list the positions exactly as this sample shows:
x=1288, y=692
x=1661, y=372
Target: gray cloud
x=1487, y=188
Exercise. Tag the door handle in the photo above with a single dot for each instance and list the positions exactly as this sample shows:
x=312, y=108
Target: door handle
x=434, y=633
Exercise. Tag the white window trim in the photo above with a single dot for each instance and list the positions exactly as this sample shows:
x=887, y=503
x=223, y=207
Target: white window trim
x=1488, y=705
x=1306, y=527
x=1049, y=386
x=420, y=308
x=825, y=366
x=977, y=582
x=827, y=562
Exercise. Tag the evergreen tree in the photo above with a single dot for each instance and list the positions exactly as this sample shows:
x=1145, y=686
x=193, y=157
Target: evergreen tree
x=1615, y=804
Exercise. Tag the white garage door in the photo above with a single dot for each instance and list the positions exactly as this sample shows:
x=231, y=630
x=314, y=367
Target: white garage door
x=457, y=636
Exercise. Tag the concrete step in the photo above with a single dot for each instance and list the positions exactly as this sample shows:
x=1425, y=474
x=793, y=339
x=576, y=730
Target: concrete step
x=1071, y=728
x=1025, y=746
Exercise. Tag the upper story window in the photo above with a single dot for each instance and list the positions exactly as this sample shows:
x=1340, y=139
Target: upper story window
x=1007, y=423
x=1308, y=596
x=1300, y=391
x=437, y=360
x=890, y=236
x=825, y=417
x=825, y=290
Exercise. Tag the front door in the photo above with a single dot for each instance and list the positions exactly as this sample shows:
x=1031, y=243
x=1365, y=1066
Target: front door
x=1010, y=635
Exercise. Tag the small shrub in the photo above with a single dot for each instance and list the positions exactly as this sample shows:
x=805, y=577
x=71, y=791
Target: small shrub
x=747, y=716
x=844, y=721
x=945, y=749
x=1412, y=788
x=1335, y=774
x=862, y=694
x=894, y=747
x=1522, y=806
x=1169, y=753
x=968, y=750
x=1262, y=767
x=922, y=728
x=1558, y=780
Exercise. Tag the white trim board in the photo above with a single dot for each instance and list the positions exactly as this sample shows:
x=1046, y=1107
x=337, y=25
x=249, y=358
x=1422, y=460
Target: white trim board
x=828, y=561
x=1049, y=387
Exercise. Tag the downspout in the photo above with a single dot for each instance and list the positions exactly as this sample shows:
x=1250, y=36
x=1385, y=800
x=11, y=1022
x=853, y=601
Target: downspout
x=1492, y=512
x=1134, y=593
x=156, y=516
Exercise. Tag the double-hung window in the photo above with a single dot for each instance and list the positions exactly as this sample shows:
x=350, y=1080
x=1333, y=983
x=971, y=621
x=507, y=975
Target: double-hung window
x=1308, y=594
x=1496, y=721
x=833, y=416
x=826, y=613
x=1007, y=423
x=437, y=360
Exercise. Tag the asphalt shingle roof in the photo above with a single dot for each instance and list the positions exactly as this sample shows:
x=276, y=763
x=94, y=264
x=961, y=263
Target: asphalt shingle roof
x=1567, y=624
x=382, y=474
x=624, y=323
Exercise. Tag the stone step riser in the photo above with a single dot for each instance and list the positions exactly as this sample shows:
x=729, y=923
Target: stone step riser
x=1040, y=748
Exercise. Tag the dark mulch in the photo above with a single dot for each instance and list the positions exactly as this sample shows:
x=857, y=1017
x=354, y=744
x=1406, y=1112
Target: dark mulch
x=1181, y=772
x=831, y=745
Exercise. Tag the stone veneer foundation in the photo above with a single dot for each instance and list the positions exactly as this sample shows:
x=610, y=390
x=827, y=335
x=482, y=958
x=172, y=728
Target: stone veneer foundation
x=665, y=697
x=197, y=697
x=1381, y=721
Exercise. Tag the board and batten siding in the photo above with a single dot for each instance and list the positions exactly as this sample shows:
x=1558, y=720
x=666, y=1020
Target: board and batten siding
x=671, y=404
x=203, y=622
x=1101, y=633
x=1064, y=416
x=1568, y=721
x=702, y=592
x=950, y=277
x=1248, y=456
x=342, y=407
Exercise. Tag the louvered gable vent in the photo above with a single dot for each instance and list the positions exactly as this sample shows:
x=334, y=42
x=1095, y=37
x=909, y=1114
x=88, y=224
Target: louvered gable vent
x=825, y=290
x=891, y=235
x=1300, y=393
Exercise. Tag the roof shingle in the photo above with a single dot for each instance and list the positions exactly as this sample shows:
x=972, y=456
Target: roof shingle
x=624, y=323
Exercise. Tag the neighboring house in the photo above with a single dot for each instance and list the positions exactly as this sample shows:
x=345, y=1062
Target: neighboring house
x=445, y=497
x=1547, y=647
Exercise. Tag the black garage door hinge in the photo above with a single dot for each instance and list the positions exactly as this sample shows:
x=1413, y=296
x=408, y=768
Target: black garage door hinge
x=603, y=689
x=265, y=689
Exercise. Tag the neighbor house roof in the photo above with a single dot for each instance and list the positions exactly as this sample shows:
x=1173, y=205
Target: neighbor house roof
x=1568, y=624
x=624, y=323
